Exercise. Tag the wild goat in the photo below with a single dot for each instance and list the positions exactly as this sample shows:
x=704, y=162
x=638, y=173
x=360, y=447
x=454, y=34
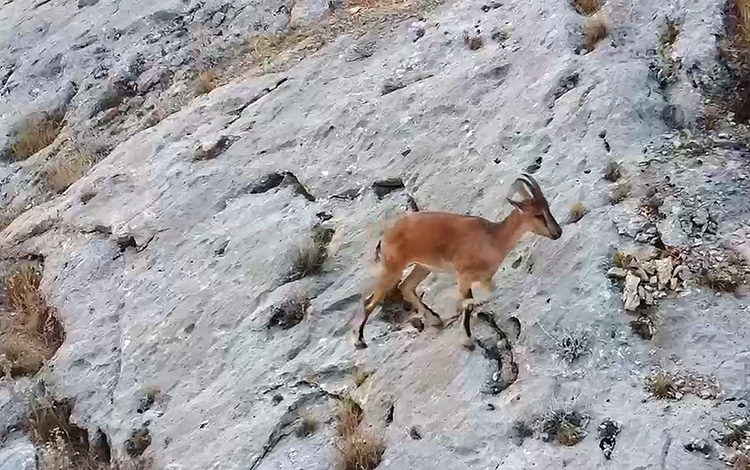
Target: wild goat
x=472, y=247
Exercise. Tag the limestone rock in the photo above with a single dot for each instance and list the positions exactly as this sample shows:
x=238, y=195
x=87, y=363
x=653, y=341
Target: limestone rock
x=19, y=454
x=630, y=292
x=664, y=271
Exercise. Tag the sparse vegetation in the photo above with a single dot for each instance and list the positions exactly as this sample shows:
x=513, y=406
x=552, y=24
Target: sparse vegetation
x=725, y=275
x=290, y=312
x=34, y=136
x=363, y=450
x=741, y=461
x=138, y=441
x=619, y=259
x=148, y=398
x=356, y=449
x=734, y=51
x=572, y=345
x=736, y=436
x=670, y=34
x=30, y=331
x=277, y=52
x=311, y=254
x=264, y=47
x=349, y=416
x=661, y=385
x=66, y=169
x=62, y=444
x=612, y=172
x=473, y=41
x=586, y=7
x=595, y=29
x=620, y=192
x=306, y=426
x=5, y=220
x=665, y=70
x=576, y=213
x=361, y=377
x=567, y=427
x=205, y=82
x=743, y=22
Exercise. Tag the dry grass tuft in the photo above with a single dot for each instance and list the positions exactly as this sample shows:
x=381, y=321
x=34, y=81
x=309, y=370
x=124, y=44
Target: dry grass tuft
x=473, y=41
x=205, y=82
x=264, y=47
x=569, y=434
x=307, y=426
x=586, y=7
x=356, y=449
x=311, y=254
x=30, y=332
x=22, y=293
x=362, y=450
x=670, y=34
x=361, y=377
x=5, y=220
x=62, y=444
x=138, y=442
x=290, y=312
x=564, y=426
x=35, y=136
x=661, y=385
x=349, y=416
x=620, y=192
x=619, y=259
x=278, y=52
x=572, y=345
x=725, y=275
x=595, y=29
x=577, y=211
x=741, y=461
x=612, y=172
x=743, y=22
x=712, y=116
x=63, y=171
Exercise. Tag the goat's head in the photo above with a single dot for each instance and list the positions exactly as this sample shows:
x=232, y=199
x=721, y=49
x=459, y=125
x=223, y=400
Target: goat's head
x=535, y=207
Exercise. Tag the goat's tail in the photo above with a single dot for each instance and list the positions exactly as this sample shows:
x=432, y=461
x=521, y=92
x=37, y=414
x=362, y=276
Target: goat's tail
x=378, y=249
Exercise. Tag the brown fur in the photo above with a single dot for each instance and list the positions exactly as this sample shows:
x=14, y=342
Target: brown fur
x=473, y=247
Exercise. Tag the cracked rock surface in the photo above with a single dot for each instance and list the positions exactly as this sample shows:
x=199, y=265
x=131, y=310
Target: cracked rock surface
x=165, y=267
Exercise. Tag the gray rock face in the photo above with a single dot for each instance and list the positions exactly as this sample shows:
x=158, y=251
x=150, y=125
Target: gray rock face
x=18, y=454
x=166, y=265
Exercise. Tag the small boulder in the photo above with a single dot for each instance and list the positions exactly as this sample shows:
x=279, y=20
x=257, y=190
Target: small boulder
x=630, y=292
x=150, y=78
x=664, y=271
x=211, y=149
x=617, y=273
x=699, y=445
x=682, y=272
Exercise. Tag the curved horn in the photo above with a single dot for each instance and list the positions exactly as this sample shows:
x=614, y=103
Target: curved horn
x=536, y=191
x=522, y=186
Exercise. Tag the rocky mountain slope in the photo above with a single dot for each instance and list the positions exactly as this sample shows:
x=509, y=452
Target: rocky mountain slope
x=170, y=263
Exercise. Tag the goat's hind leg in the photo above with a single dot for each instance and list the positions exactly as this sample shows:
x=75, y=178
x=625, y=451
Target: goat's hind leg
x=408, y=289
x=467, y=300
x=386, y=282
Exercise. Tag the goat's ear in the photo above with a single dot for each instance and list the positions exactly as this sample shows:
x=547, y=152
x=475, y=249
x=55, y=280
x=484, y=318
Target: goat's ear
x=515, y=204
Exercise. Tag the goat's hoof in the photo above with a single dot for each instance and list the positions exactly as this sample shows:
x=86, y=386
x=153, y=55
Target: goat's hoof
x=437, y=322
x=468, y=343
x=360, y=344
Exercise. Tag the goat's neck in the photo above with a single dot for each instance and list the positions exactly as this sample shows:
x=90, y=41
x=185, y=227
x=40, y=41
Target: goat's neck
x=506, y=234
